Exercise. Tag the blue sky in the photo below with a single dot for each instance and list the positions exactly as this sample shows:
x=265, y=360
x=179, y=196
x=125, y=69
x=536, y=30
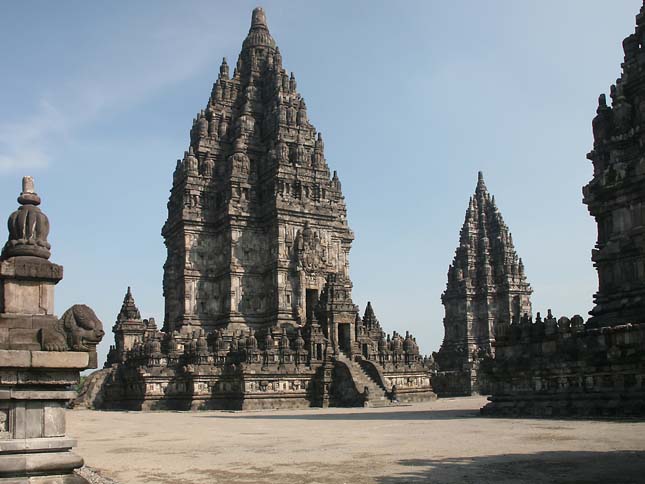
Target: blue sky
x=413, y=98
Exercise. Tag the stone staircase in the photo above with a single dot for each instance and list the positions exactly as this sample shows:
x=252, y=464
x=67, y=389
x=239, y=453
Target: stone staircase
x=377, y=395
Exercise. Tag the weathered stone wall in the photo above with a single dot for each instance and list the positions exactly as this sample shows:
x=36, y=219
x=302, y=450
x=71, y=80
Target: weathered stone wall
x=615, y=196
x=568, y=369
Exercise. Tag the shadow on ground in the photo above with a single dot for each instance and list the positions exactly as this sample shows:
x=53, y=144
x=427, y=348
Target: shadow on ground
x=369, y=415
x=616, y=467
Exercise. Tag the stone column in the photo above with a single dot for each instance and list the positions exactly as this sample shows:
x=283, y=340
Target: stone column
x=41, y=357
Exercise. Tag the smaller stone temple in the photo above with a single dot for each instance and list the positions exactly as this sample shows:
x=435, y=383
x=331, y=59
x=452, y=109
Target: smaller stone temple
x=41, y=356
x=258, y=297
x=567, y=366
x=486, y=285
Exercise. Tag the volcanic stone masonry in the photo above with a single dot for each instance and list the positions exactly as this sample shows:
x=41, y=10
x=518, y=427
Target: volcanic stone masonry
x=569, y=367
x=41, y=356
x=486, y=284
x=258, y=308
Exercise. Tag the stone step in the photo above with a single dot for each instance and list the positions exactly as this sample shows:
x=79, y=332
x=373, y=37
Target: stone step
x=361, y=379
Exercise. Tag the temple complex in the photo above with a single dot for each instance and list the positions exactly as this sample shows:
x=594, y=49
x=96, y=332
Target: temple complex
x=258, y=306
x=572, y=367
x=486, y=284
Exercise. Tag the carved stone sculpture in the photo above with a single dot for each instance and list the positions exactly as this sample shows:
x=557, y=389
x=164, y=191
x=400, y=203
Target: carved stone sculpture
x=28, y=226
x=79, y=329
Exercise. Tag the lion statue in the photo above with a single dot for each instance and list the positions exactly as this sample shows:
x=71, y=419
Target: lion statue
x=78, y=330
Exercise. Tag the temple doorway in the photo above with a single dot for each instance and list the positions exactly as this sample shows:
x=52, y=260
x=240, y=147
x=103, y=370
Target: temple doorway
x=345, y=337
x=311, y=301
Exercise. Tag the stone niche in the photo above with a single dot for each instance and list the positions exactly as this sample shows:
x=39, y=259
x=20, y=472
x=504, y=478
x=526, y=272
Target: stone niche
x=41, y=356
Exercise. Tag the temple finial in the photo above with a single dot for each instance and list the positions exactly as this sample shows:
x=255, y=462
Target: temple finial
x=481, y=185
x=258, y=19
x=28, y=195
x=259, y=32
x=28, y=226
x=223, y=69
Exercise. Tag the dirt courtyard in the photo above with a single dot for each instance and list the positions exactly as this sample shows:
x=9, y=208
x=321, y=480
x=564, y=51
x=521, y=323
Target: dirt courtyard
x=441, y=442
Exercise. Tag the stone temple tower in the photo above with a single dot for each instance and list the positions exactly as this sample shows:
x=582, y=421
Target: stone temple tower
x=615, y=196
x=486, y=284
x=256, y=221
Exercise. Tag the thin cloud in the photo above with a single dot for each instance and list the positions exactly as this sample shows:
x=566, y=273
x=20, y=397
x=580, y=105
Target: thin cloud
x=125, y=73
x=23, y=143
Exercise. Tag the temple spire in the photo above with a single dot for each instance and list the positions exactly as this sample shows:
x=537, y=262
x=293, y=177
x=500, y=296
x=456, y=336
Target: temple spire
x=369, y=318
x=129, y=310
x=488, y=278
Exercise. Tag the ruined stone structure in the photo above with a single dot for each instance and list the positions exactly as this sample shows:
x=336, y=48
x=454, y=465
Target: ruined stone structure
x=486, y=284
x=41, y=356
x=569, y=367
x=258, y=306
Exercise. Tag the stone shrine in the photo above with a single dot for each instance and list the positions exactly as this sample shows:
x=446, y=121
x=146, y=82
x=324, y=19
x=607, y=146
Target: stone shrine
x=486, y=284
x=41, y=356
x=258, y=307
x=569, y=366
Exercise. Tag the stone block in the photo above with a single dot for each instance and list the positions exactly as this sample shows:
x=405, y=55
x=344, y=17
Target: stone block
x=18, y=429
x=27, y=297
x=33, y=419
x=43, y=394
x=15, y=358
x=23, y=339
x=9, y=320
x=21, y=297
x=57, y=444
x=39, y=463
x=62, y=359
x=43, y=321
x=48, y=376
x=54, y=421
x=34, y=268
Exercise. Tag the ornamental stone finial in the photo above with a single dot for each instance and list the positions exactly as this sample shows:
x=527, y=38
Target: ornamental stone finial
x=258, y=18
x=28, y=226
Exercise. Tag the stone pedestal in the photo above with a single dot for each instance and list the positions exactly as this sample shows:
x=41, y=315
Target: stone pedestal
x=35, y=387
x=41, y=356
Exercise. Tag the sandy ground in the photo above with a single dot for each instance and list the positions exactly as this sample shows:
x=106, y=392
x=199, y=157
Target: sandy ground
x=440, y=442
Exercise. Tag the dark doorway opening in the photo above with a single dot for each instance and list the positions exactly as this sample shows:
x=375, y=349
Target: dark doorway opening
x=366, y=350
x=311, y=301
x=344, y=336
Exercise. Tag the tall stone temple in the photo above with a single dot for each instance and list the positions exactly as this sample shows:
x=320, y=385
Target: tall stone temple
x=258, y=307
x=486, y=284
x=567, y=366
x=256, y=220
x=615, y=196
